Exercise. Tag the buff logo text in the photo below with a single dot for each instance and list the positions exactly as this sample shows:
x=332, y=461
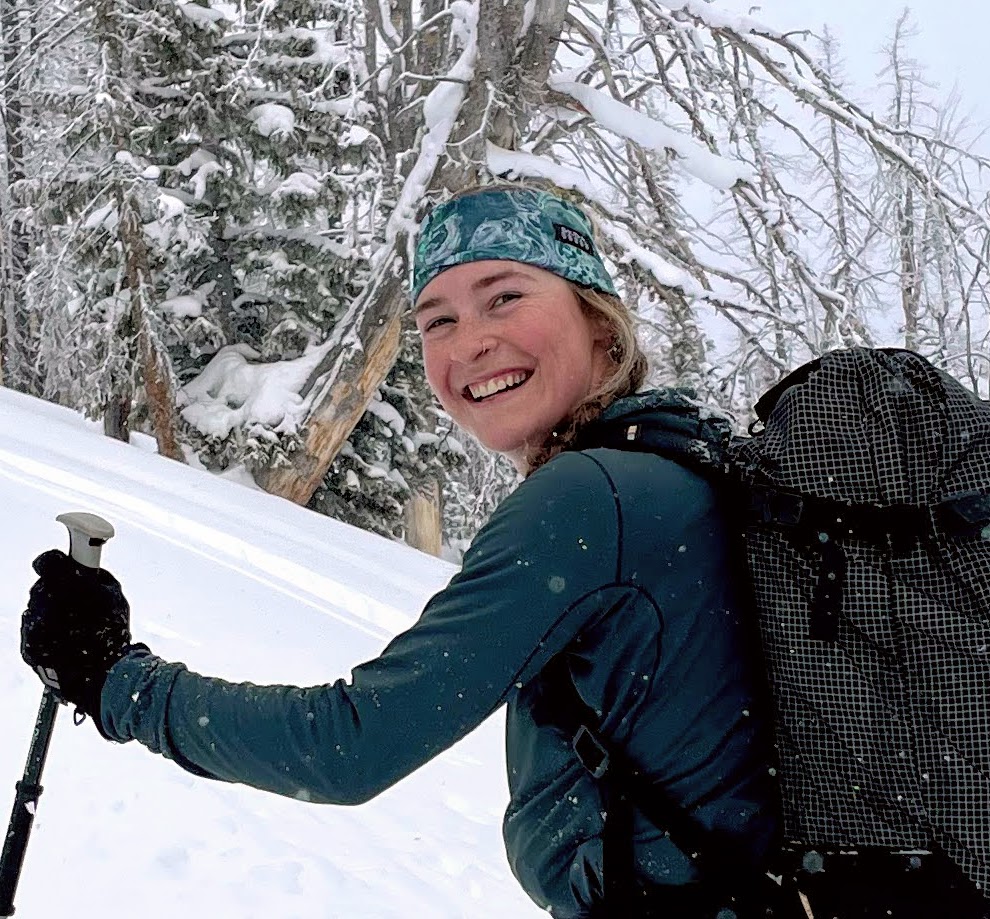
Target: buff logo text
x=573, y=238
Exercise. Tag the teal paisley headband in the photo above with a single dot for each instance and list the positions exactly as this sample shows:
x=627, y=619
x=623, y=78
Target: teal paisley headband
x=510, y=224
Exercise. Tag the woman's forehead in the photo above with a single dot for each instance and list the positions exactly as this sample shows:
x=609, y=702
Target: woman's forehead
x=476, y=277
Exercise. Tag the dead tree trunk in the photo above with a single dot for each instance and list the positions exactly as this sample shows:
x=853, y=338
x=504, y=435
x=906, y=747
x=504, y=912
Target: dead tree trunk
x=154, y=364
x=343, y=384
x=424, y=524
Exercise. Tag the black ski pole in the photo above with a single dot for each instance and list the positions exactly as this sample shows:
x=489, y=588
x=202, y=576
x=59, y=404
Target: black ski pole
x=87, y=535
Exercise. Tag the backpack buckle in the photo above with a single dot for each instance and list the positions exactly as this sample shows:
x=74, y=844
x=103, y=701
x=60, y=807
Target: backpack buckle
x=593, y=756
x=770, y=505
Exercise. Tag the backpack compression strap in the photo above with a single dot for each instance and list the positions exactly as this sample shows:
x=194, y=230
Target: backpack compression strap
x=821, y=523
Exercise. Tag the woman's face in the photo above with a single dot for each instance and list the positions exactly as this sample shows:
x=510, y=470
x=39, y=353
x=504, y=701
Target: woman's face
x=508, y=351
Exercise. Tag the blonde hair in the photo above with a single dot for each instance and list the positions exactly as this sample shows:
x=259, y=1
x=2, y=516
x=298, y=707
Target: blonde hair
x=629, y=364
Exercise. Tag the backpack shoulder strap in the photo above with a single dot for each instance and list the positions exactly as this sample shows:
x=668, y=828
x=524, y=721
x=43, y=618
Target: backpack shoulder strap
x=624, y=788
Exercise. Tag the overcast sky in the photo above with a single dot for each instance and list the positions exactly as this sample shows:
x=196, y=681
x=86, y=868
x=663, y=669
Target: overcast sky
x=953, y=38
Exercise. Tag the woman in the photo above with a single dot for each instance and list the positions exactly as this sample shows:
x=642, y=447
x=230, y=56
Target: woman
x=600, y=590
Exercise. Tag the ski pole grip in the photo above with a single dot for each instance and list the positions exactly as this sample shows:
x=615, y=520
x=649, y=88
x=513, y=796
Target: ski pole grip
x=87, y=535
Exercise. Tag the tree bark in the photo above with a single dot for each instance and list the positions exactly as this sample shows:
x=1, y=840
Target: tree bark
x=157, y=379
x=345, y=382
x=424, y=523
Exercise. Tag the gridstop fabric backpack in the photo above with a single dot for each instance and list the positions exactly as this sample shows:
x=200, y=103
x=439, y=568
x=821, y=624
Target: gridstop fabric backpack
x=865, y=502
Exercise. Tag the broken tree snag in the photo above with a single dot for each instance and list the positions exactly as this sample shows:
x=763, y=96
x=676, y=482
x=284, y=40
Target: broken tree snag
x=516, y=42
x=345, y=396
x=423, y=519
x=154, y=366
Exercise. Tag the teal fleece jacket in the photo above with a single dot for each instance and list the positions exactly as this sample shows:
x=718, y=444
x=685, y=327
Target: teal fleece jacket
x=620, y=561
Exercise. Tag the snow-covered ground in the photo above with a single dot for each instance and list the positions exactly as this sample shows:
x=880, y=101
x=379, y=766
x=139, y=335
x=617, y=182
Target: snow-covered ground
x=245, y=586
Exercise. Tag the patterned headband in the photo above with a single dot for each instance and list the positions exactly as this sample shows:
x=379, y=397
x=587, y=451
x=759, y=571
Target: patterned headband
x=510, y=224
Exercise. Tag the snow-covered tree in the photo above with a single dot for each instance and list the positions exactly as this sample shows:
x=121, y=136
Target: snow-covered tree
x=473, y=491
x=940, y=277
x=30, y=35
x=396, y=454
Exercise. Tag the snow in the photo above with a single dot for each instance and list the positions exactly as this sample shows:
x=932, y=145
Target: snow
x=241, y=585
x=199, y=180
x=273, y=120
x=206, y=17
x=234, y=390
x=187, y=306
x=354, y=136
x=298, y=185
x=620, y=119
x=527, y=165
x=106, y=215
x=327, y=51
x=516, y=164
x=440, y=111
x=194, y=161
x=388, y=414
x=666, y=274
x=717, y=18
x=169, y=207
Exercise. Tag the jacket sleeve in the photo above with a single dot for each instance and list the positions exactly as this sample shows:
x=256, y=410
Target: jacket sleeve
x=525, y=589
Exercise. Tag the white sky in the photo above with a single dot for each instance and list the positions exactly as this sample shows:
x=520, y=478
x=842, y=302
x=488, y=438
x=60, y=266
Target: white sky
x=242, y=585
x=952, y=39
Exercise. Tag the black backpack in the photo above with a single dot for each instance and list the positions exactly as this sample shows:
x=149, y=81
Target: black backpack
x=865, y=505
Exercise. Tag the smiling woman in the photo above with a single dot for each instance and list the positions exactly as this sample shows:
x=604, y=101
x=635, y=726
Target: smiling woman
x=598, y=604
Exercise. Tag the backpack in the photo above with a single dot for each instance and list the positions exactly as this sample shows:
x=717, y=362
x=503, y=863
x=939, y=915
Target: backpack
x=865, y=506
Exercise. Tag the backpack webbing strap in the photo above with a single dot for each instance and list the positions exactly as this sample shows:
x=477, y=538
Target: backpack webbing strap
x=964, y=515
x=820, y=523
x=625, y=789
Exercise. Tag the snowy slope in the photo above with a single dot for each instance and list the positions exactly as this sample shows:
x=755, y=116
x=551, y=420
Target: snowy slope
x=245, y=586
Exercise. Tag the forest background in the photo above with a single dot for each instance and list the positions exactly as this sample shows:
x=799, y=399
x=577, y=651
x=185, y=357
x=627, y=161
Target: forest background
x=207, y=210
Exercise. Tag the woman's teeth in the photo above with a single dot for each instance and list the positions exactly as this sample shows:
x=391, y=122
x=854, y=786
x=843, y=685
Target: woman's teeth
x=496, y=384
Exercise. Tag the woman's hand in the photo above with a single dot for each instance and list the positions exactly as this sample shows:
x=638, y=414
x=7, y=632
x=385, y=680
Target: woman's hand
x=75, y=628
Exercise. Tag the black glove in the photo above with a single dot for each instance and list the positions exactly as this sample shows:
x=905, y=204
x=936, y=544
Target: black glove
x=75, y=628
